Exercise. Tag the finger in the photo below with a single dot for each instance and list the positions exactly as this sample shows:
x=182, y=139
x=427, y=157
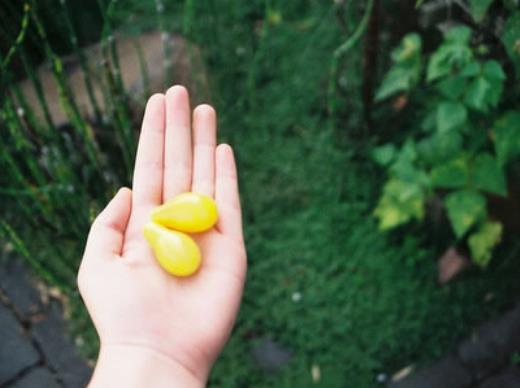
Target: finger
x=148, y=172
x=106, y=236
x=177, y=156
x=226, y=193
x=204, y=142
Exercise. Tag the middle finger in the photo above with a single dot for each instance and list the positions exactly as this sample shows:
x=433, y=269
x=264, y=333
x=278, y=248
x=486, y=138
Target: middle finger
x=177, y=150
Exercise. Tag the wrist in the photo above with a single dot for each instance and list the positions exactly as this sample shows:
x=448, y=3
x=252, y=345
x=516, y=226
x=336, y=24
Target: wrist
x=133, y=366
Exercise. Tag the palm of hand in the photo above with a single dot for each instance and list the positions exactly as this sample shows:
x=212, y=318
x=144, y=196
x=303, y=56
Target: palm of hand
x=134, y=302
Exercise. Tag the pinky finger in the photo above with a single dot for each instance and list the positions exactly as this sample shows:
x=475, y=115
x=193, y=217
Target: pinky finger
x=226, y=193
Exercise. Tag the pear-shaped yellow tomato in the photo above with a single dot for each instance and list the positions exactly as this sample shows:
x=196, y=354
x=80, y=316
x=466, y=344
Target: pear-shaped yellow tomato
x=187, y=212
x=175, y=251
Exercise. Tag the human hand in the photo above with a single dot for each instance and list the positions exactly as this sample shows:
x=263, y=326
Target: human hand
x=170, y=328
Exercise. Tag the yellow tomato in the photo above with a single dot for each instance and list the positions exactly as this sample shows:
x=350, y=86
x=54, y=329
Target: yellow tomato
x=187, y=212
x=175, y=251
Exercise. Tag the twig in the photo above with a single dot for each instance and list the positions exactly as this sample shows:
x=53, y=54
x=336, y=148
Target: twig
x=341, y=51
x=19, y=39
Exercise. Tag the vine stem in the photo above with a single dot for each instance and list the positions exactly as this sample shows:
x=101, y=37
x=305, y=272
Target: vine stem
x=340, y=51
x=19, y=39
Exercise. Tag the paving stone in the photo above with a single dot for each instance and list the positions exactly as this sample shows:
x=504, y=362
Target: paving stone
x=38, y=377
x=447, y=373
x=270, y=356
x=16, y=350
x=489, y=349
x=16, y=283
x=510, y=378
x=58, y=348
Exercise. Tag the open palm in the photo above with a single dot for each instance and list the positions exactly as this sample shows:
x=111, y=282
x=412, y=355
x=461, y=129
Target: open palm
x=133, y=302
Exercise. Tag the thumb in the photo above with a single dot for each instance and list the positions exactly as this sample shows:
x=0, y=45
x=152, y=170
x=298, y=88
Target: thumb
x=108, y=229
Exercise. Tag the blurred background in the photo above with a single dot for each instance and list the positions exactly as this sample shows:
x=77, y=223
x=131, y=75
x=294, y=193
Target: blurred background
x=378, y=145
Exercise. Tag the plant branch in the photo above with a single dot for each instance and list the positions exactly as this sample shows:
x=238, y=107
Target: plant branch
x=341, y=51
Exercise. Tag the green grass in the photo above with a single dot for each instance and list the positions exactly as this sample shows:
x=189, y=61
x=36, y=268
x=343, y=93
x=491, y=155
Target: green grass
x=370, y=302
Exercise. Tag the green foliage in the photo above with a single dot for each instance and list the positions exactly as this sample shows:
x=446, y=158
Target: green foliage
x=384, y=154
x=507, y=137
x=511, y=39
x=487, y=175
x=453, y=152
x=479, y=8
x=454, y=53
x=484, y=91
x=56, y=179
x=401, y=202
x=483, y=240
x=406, y=70
x=465, y=208
x=439, y=147
x=451, y=115
x=453, y=174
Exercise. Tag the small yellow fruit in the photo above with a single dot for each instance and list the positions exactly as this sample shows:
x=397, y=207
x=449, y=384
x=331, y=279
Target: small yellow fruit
x=176, y=252
x=187, y=212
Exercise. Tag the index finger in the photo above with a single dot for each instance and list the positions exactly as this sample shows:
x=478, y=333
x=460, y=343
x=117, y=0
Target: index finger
x=148, y=172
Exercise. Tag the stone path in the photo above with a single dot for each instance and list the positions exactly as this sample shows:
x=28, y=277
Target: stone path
x=35, y=349
x=490, y=358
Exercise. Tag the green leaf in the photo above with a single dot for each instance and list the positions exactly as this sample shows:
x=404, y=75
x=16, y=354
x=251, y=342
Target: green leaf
x=439, y=64
x=408, y=151
x=429, y=121
x=400, y=203
x=450, y=115
x=439, y=147
x=495, y=92
x=471, y=69
x=409, y=49
x=479, y=8
x=385, y=154
x=486, y=89
x=459, y=34
x=404, y=169
x=451, y=175
x=511, y=39
x=390, y=215
x=482, y=242
x=401, y=190
x=407, y=172
x=493, y=70
x=452, y=87
x=506, y=136
x=406, y=71
x=465, y=208
x=397, y=80
x=488, y=175
x=453, y=55
x=477, y=94
x=495, y=76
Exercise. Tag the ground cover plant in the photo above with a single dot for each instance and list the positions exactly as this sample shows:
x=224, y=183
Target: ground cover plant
x=346, y=301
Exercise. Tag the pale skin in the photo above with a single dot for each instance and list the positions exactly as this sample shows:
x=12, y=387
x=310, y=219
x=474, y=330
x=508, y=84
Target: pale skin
x=157, y=330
